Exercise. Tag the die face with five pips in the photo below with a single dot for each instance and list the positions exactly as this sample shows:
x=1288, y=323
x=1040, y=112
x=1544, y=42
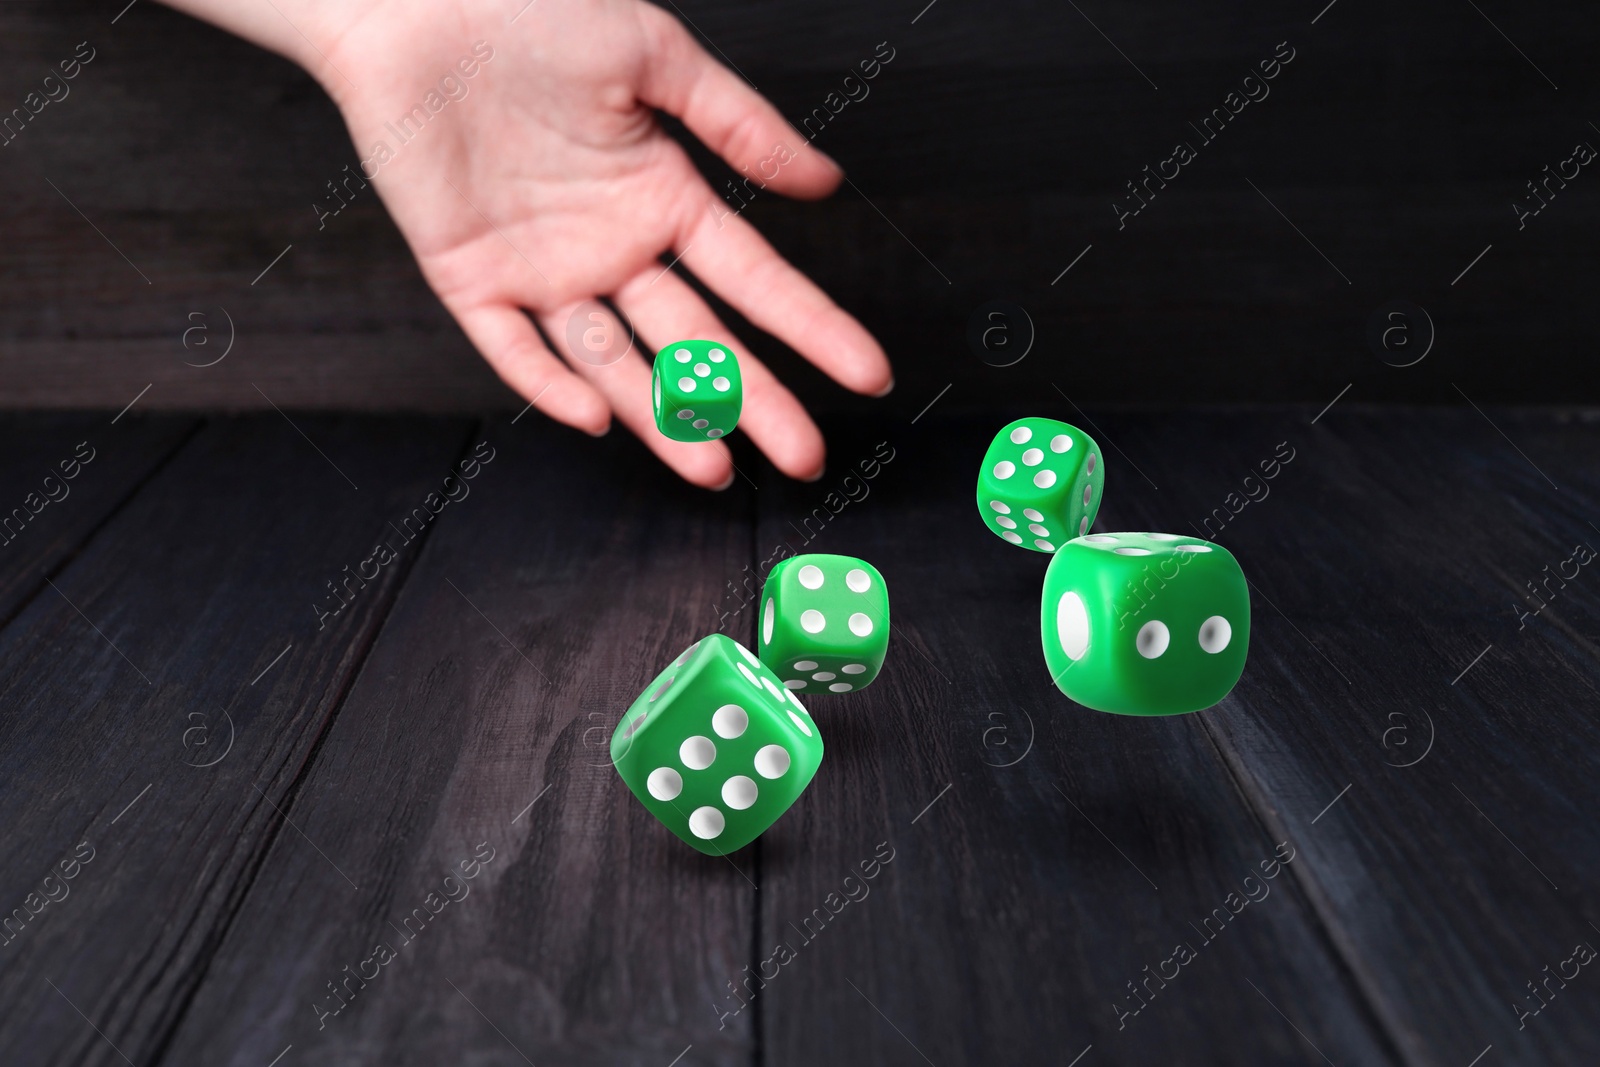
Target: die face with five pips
x=1040, y=484
x=824, y=623
x=715, y=747
x=696, y=390
x=1145, y=623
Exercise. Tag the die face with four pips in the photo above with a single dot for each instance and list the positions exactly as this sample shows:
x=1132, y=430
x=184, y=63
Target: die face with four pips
x=715, y=747
x=696, y=390
x=1145, y=623
x=824, y=623
x=1040, y=484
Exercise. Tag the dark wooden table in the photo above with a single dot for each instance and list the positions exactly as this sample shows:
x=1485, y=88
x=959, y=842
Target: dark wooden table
x=253, y=793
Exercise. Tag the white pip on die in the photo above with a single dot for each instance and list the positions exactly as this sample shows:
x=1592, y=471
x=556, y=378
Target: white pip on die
x=1040, y=484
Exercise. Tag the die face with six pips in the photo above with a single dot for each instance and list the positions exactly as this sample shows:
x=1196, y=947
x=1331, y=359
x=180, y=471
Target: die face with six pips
x=824, y=623
x=1040, y=484
x=696, y=390
x=1145, y=623
x=715, y=747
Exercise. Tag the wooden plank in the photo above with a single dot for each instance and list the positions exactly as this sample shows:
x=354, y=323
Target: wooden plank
x=1044, y=855
x=157, y=704
x=1449, y=737
x=52, y=499
x=85, y=328
x=1018, y=902
x=541, y=607
x=435, y=372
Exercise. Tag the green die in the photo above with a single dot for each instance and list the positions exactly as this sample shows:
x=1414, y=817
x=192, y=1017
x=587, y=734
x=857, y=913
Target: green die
x=1145, y=623
x=1040, y=483
x=697, y=390
x=825, y=622
x=715, y=748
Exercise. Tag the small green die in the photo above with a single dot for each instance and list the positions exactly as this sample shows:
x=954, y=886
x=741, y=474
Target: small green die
x=825, y=622
x=715, y=748
x=697, y=389
x=1145, y=623
x=1040, y=483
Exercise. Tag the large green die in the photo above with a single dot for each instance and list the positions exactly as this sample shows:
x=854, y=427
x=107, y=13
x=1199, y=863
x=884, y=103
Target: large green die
x=715, y=748
x=697, y=390
x=1040, y=483
x=1145, y=623
x=824, y=622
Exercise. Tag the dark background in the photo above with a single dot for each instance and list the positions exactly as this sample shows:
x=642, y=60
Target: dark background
x=984, y=160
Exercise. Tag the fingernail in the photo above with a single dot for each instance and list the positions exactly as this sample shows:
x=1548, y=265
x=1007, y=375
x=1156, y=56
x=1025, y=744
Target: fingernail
x=817, y=477
x=886, y=389
x=724, y=485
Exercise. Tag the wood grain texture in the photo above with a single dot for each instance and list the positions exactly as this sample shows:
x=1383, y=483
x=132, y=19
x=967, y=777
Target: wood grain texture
x=45, y=516
x=1070, y=851
x=153, y=708
x=1029, y=859
x=985, y=159
x=1399, y=548
x=542, y=605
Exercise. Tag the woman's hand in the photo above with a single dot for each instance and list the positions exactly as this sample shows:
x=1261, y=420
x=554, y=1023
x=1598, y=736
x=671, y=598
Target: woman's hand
x=543, y=181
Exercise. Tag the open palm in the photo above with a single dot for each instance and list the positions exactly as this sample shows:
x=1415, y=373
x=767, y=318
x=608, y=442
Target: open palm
x=550, y=183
